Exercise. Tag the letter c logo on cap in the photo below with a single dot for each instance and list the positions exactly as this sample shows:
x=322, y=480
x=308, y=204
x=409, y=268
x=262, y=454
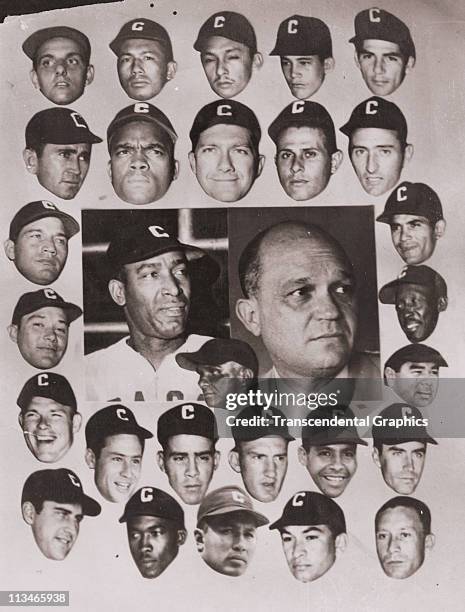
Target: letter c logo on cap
x=78, y=120
x=49, y=205
x=373, y=14
x=371, y=107
x=138, y=26
x=224, y=110
x=122, y=414
x=50, y=294
x=238, y=497
x=406, y=411
x=146, y=494
x=141, y=107
x=298, y=499
x=298, y=107
x=219, y=21
x=292, y=26
x=402, y=193
x=158, y=231
x=74, y=481
x=188, y=412
x=42, y=380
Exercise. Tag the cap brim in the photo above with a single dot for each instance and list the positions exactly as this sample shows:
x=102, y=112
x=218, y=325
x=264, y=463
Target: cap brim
x=35, y=40
x=185, y=361
x=115, y=44
x=73, y=312
x=90, y=507
x=387, y=294
x=140, y=117
x=124, y=518
x=260, y=519
x=425, y=437
x=385, y=217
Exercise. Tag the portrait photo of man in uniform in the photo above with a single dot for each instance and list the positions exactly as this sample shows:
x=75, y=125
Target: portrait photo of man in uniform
x=145, y=58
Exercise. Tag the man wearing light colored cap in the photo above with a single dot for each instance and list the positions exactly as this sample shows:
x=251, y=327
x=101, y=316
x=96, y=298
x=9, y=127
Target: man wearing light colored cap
x=49, y=418
x=414, y=213
x=58, y=150
x=38, y=241
x=61, y=66
x=306, y=149
x=419, y=294
x=53, y=504
x=313, y=534
x=115, y=446
x=228, y=52
x=225, y=137
x=384, y=50
x=188, y=434
x=400, y=440
x=378, y=147
x=226, y=530
x=142, y=365
x=412, y=373
x=306, y=53
x=145, y=58
x=155, y=527
x=141, y=143
x=40, y=325
x=224, y=366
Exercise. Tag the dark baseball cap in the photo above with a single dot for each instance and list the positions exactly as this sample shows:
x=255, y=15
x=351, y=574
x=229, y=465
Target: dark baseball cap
x=413, y=275
x=150, y=501
x=146, y=30
x=326, y=434
x=34, y=41
x=377, y=24
x=302, y=113
x=228, y=112
x=111, y=421
x=416, y=353
x=261, y=424
x=377, y=113
x=141, y=111
x=60, y=485
x=189, y=418
x=218, y=351
x=32, y=301
x=226, y=500
x=310, y=508
x=49, y=385
x=390, y=434
x=40, y=210
x=300, y=35
x=228, y=25
x=412, y=199
x=140, y=241
x=58, y=126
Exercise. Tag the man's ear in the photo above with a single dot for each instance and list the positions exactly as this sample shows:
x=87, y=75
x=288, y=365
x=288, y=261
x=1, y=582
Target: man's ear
x=336, y=160
x=171, y=69
x=410, y=64
x=9, y=247
x=34, y=79
x=109, y=169
x=408, y=153
x=261, y=163
x=161, y=460
x=329, y=64
x=340, y=543
x=28, y=512
x=302, y=456
x=13, y=332
x=257, y=61
x=77, y=422
x=357, y=63
x=442, y=304
x=247, y=313
x=245, y=373
x=90, y=458
x=31, y=160
x=117, y=291
x=176, y=170
x=90, y=74
x=430, y=540
x=233, y=459
x=390, y=375
x=439, y=228
x=182, y=536
x=375, y=457
x=21, y=421
x=216, y=459
x=199, y=539
x=192, y=163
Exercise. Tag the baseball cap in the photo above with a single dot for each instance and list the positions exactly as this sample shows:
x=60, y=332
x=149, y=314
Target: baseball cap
x=60, y=485
x=150, y=501
x=189, y=418
x=264, y=425
x=310, y=508
x=299, y=35
x=412, y=199
x=49, y=385
x=377, y=113
x=141, y=111
x=413, y=275
x=33, y=300
x=390, y=434
x=58, y=126
x=145, y=29
x=377, y=24
x=303, y=113
x=40, y=210
x=228, y=499
x=111, y=421
x=228, y=25
x=322, y=435
x=227, y=112
x=417, y=353
x=34, y=41
x=140, y=241
x=217, y=351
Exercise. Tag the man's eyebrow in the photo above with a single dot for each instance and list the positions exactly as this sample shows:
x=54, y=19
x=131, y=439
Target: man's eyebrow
x=212, y=52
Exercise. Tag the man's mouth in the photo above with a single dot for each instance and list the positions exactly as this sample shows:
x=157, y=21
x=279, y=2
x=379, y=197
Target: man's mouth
x=237, y=560
x=372, y=180
x=62, y=83
x=138, y=82
x=224, y=83
x=335, y=478
x=64, y=540
x=122, y=487
x=45, y=438
x=174, y=311
x=411, y=325
x=269, y=485
x=47, y=349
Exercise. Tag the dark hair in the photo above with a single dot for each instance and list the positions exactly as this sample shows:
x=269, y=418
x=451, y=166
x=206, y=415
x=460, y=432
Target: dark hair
x=402, y=501
x=37, y=147
x=38, y=503
x=327, y=129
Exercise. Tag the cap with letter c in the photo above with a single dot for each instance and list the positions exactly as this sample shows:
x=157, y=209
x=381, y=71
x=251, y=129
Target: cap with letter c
x=227, y=24
x=33, y=300
x=306, y=114
x=191, y=419
x=141, y=111
x=377, y=112
x=412, y=199
x=226, y=500
x=49, y=385
x=146, y=30
x=150, y=501
x=311, y=508
x=39, y=210
x=378, y=24
x=302, y=35
x=113, y=420
x=58, y=126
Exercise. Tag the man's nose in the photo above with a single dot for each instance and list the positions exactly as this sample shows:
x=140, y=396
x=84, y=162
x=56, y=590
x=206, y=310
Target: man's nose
x=407, y=463
x=139, y=161
x=380, y=65
x=270, y=467
x=225, y=163
x=239, y=542
x=48, y=246
x=297, y=164
x=324, y=305
x=221, y=68
x=393, y=544
x=372, y=163
x=50, y=334
x=192, y=469
x=126, y=468
x=60, y=68
x=43, y=422
x=137, y=66
x=295, y=71
x=171, y=285
x=146, y=542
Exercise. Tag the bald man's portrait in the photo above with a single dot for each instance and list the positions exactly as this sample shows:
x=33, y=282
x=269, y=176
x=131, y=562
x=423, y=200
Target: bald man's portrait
x=304, y=296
